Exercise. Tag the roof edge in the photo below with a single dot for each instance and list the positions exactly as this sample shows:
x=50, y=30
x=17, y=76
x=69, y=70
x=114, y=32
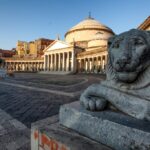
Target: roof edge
x=145, y=24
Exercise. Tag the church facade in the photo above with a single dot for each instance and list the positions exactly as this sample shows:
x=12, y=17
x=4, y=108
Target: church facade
x=83, y=50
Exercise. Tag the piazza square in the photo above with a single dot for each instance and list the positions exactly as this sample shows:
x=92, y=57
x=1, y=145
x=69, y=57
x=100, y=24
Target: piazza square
x=79, y=92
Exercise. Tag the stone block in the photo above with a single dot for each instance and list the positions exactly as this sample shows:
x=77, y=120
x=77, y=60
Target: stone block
x=48, y=134
x=114, y=129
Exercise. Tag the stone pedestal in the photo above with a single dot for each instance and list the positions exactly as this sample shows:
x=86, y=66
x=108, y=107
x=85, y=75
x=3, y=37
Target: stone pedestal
x=113, y=129
x=48, y=134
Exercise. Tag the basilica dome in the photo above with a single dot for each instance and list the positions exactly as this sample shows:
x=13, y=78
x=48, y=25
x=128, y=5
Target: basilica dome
x=87, y=30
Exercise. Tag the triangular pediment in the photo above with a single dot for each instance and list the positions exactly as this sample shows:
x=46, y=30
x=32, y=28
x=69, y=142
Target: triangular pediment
x=57, y=44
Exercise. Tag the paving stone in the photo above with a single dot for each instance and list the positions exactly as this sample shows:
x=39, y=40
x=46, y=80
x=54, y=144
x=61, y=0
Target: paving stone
x=17, y=124
x=20, y=107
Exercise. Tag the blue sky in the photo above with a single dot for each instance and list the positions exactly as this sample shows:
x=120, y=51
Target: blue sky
x=28, y=20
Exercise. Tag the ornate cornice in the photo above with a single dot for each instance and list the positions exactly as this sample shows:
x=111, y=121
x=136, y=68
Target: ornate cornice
x=92, y=52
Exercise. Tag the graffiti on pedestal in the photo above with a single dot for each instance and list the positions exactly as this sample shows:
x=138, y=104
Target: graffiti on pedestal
x=46, y=143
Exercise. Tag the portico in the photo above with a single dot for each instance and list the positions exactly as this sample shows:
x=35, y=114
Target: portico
x=60, y=56
x=31, y=65
x=92, y=61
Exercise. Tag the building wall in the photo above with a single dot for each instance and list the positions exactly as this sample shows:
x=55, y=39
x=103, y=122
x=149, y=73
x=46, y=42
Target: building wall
x=97, y=42
x=148, y=28
x=41, y=44
x=85, y=35
x=32, y=49
x=91, y=58
x=22, y=48
x=145, y=25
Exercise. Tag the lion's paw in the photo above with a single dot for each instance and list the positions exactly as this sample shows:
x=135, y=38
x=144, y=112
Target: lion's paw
x=94, y=103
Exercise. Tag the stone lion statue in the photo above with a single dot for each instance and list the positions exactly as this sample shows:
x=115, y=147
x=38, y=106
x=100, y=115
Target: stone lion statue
x=127, y=85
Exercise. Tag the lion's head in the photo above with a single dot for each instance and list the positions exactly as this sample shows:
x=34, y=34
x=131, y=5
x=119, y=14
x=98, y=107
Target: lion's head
x=129, y=56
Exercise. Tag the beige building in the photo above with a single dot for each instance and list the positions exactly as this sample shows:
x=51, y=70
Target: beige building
x=61, y=56
x=84, y=49
x=22, y=48
x=24, y=64
x=32, y=48
x=29, y=56
x=145, y=25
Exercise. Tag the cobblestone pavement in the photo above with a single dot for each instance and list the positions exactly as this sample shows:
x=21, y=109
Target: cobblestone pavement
x=68, y=83
x=28, y=98
x=14, y=135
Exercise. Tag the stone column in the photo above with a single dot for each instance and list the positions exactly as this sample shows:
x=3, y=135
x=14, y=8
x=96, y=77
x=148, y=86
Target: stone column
x=106, y=57
x=16, y=66
x=67, y=64
x=47, y=62
x=101, y=61
x=50, y=62
x=55, y=62
x=88, y=64
x=59, y=61
x=93, y=65
x=44, y=62
x=37, y=66
x=26, y=66
x=63, y=62
x=82, y=65
x=29, y=66
x=33, y=64
x=41, y=66
x=51, y=66
x=74, y=64
x=97, y=64
x=78, y=65
x=22, y=66
x=13, y=66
